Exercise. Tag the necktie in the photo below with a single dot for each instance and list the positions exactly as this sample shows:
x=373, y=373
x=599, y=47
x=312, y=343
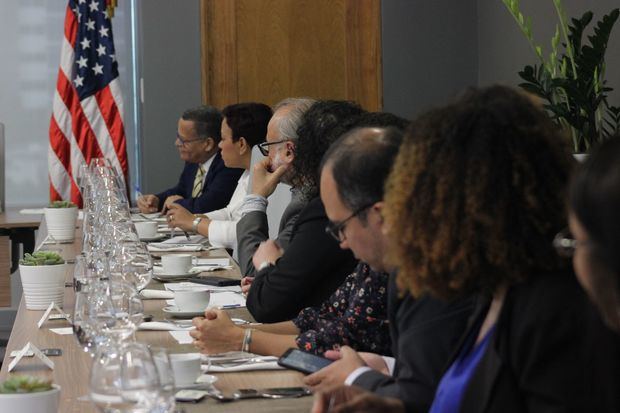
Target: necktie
x=198, y=182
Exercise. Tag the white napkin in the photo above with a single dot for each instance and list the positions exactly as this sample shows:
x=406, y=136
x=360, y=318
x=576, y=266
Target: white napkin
x=160, y=247
x=162, y=326
x=156, y=294
x=182, y=337
x=269, y=363
x=222, y=299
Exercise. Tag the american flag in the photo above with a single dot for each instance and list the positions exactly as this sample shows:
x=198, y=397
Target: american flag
x=87, y=119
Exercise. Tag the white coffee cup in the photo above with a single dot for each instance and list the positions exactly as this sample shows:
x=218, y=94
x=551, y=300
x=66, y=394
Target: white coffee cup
x=146, y=229
x=177, y=263
x=192, y=300
x=185, y=368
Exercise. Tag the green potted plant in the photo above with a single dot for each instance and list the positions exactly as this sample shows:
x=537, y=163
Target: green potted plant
x=60, y=218
x=571, y=81
x=27, y=394
x=43, y=279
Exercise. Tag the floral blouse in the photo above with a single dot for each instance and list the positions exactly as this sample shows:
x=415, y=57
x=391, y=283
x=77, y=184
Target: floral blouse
x=355, y=315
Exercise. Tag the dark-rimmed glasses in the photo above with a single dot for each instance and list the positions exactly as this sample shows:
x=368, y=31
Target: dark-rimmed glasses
x=565, y=244
x=336, y=229
x=186, y=141
x=264, y=146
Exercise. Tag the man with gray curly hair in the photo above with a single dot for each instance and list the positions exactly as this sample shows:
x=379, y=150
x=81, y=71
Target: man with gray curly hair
x=279, y=149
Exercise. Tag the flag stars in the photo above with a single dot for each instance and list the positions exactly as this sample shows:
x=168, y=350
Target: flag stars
x=98, y=69
x=113, y=57
x=101, y=50
x=94, y=5
x=78, y=81
x=85, y=43
x=82, y=62
x=82, y=1
x=104, y=31
x=90, y=24
x=106, y=14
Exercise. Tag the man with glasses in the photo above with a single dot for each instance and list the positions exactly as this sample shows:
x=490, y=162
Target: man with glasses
x=424, y=330
x=279, y=149
x=206, y=184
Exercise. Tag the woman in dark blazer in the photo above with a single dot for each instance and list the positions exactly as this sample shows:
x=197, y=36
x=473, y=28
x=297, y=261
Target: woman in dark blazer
x=473, y=203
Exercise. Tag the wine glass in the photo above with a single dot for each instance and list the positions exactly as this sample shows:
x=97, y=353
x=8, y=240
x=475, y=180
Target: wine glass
x=105, y=378
x=82, y=329
x=128, y=310
x=166, y=377
x=140, y=383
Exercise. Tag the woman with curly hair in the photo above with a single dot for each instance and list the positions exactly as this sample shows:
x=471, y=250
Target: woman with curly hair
x=473, y=203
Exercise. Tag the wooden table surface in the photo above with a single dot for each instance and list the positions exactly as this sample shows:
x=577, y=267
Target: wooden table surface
x=11, y=218
x=72, y=369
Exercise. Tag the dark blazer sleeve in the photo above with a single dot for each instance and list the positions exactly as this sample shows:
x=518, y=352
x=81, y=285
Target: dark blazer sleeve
x=188, y=175
x=425, y=332
x=252, y=229
x=219, y=186
x=310, y=270
x=538, y=361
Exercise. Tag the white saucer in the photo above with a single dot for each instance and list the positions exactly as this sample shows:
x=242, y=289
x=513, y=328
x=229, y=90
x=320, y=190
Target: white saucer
x=159, y=273
x=155, y=238
x=174, y=311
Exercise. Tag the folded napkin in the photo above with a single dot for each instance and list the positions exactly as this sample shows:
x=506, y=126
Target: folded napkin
x=255, y=363
x=222, y=299
x=182, y=337
x=156, y=294
x=161, y=247
x=163, y=326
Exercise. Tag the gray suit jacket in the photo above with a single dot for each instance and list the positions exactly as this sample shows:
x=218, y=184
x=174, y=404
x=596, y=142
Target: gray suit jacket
x=253, y=229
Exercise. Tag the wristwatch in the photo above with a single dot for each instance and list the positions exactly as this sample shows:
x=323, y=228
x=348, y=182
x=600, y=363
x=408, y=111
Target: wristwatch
x=195, y=223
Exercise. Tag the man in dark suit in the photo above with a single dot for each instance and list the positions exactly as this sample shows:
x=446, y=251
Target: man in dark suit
x=206, y=184
x=424, y=330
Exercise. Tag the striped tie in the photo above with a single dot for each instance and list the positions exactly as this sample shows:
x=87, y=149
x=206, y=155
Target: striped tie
x=198, y=182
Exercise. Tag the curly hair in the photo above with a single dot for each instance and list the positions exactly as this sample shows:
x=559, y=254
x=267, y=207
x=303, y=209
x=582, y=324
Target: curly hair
x=319, y=128
x=477, y=194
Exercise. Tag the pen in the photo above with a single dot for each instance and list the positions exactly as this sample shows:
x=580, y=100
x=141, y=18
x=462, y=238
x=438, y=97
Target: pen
x=229, y=306
x=187, y=235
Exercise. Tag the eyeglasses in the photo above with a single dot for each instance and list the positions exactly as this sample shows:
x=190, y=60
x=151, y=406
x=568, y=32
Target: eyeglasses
x=264, y=147
x=336, y=229
x=186, y=141
x=565, y=245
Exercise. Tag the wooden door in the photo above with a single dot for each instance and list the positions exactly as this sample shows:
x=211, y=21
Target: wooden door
x=267, y=50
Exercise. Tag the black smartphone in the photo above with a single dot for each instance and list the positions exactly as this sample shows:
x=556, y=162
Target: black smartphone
x=215, y=280
x=274, y=393
x=51, y=352
x=307, y=363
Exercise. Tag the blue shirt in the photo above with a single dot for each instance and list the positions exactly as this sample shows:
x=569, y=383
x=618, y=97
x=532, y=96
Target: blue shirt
x=454, y=382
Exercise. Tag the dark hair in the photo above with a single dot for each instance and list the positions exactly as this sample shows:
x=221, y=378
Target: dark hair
x=380, y=119
x=477, y=195
x=248, y=121
x=595, y=202
x=361, y=161
x=319, y=128
x=207, y=122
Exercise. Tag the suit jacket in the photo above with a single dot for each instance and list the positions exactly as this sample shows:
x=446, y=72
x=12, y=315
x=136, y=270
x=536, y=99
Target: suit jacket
x=543, y=357
x=218, y=188
x=312, y=267
x=425, y=332
x=253, y=229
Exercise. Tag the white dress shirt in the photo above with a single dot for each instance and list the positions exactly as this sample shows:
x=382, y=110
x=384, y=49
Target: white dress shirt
x=223, y=226
x=389, y=361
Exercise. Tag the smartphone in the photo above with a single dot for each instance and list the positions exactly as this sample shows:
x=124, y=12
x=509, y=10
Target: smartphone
x=274, y=393
x=282, y=392
x=190, y=396
x=215, y=280
x=307, y=363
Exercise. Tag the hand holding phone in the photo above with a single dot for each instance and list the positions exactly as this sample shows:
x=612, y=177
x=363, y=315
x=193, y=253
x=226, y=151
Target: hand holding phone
x=307, y=363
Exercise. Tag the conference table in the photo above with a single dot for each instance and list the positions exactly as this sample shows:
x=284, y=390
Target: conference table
x=72, y=369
